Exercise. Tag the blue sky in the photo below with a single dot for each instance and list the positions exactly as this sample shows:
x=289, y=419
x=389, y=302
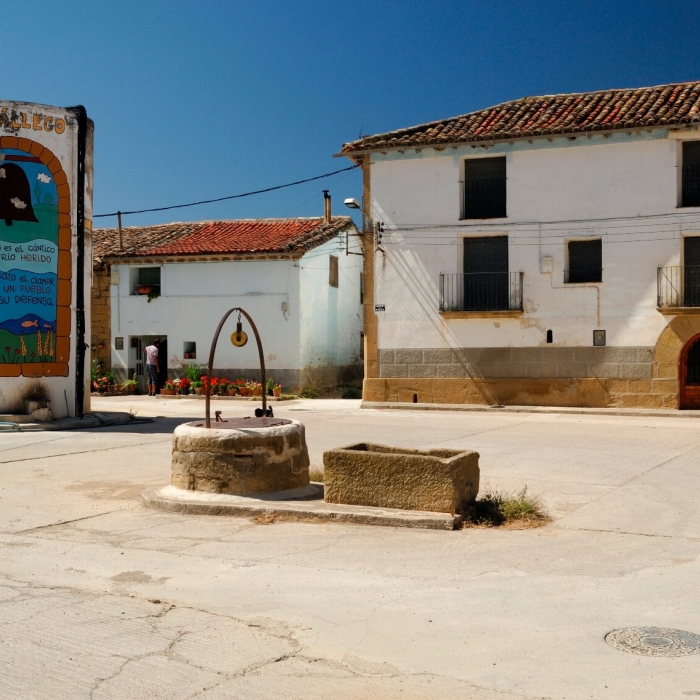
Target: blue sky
x=194, y=100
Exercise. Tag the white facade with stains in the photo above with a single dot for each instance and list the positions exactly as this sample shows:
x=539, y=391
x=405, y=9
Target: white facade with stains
x=621, y=188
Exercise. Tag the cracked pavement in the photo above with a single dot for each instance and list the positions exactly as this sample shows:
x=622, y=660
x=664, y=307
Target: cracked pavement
x=102, y=598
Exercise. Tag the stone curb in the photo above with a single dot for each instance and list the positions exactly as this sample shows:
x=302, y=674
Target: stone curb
x=90, y=420
x=300, y=510
x=645, y=412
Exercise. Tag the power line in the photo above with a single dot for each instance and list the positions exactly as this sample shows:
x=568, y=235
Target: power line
x=231, y=196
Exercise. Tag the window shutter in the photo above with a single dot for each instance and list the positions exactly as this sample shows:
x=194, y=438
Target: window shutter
x=484, y=195
x=690, y=196
x=585, y=261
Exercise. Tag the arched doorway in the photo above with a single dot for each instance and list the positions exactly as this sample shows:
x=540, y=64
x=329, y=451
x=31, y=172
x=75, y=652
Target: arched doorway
x=689, y=374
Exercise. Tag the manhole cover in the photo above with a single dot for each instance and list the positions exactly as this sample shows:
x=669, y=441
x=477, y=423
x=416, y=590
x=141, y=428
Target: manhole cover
x=654, y=641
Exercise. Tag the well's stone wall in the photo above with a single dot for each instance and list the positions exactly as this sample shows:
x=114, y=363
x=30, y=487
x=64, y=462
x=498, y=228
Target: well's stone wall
x=254, y=460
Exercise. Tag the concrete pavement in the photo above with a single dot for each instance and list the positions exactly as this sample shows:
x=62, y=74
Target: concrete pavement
x=102, y=598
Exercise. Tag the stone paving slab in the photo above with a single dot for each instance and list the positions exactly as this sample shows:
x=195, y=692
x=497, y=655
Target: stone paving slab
x=297, y=504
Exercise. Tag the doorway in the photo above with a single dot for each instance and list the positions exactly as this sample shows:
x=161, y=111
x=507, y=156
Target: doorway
x=689, y=372
x=137, y=358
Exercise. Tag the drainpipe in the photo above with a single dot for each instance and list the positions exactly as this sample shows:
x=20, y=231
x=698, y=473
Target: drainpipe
x=80, y=265
x=327, y=206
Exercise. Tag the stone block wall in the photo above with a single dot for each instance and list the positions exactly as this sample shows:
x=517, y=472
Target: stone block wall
x=627, y=377
x=101, y=338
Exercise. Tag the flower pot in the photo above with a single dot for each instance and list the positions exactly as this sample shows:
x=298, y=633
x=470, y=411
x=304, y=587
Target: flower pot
x=232, y=391
x=199, y=390
x=184, y=391
x=277, y=392
x=167, y=392
x=257, y=391
x=144, y=289
x=243, y=390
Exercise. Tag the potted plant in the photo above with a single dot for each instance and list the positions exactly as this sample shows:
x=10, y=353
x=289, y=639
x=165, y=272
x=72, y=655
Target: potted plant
x=184, y=385
x=170, y=388
x=277, y=390
x=198, y=386
x=255, y=388
x=129, y=385
x=100, y=384
x=223, y=386
x=242, y=386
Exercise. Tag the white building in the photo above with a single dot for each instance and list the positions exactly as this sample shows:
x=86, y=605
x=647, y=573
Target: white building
x=543, y=251
x=175, y=282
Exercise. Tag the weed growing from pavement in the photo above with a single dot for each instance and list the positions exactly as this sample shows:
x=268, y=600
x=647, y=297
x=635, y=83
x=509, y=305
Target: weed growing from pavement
x=315, y=475
x=496, y=508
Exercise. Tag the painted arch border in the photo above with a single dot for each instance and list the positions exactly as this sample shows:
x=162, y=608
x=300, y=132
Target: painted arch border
x=59, y=368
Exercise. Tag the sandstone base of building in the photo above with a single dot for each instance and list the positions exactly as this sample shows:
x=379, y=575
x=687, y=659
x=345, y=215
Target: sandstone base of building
x=573, y=392
x=439, y=480
x=250, y=461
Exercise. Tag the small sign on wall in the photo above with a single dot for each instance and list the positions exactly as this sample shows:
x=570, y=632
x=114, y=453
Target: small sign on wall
x=119, y=343
x=380, y=307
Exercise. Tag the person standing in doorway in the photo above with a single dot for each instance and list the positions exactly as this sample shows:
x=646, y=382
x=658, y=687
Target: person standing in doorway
x=152, y=366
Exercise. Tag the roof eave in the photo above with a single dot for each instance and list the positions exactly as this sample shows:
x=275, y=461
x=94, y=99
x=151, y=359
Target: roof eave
x=440, y=145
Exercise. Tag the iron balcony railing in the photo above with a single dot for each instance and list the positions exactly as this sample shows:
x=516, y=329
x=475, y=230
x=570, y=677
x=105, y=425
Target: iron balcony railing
x=678, y=286
x=481, y=291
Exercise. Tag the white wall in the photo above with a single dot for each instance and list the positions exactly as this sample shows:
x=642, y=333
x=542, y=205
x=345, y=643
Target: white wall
x=331, y=318
x=195, y=296
x=623, y=178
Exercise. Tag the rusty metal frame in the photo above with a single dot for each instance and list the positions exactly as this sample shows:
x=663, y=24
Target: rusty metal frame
x=210, y=366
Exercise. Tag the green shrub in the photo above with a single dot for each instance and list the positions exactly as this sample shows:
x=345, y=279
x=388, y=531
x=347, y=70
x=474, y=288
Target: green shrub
x=308, y=392
x=193, y=372
x=350, y=392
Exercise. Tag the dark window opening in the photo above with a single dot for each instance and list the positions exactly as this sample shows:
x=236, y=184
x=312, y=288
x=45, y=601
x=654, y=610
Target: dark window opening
x=147, y=281
x=486, y=273
x=333, y=271
x=691, y=271
x=550, y=337
x=585, y=261
x=484, y=188
x=690, y=175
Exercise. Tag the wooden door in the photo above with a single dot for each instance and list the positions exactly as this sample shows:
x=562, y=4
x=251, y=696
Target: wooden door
x=690, y=374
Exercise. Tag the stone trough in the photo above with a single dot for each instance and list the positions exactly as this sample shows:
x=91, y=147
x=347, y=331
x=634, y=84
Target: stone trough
x=439, y=480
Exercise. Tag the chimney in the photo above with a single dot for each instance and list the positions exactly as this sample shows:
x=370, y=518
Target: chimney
x=327, y=206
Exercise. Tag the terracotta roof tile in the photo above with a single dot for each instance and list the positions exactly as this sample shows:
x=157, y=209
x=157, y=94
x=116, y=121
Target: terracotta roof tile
x=548, y=115
x=236, y=237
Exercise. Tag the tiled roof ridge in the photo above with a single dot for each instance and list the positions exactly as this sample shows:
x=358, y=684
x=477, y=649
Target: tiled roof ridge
x=545, y=115
x=218, y=237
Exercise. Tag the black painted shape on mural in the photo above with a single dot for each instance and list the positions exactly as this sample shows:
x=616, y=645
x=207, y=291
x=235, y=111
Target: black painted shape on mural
x=15, y=195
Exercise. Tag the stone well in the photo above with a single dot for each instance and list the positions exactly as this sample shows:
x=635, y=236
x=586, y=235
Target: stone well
x=439, y=480
x=240, y=456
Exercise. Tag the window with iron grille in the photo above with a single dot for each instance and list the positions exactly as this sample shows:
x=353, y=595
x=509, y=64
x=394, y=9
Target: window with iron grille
x=145, y=280
x=690, y=195
x=484, y=188
x=486, y=276
x=585, y=261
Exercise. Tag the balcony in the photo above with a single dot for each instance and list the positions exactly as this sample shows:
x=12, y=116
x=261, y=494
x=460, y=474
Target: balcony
x=479, y=293
x=678, y=288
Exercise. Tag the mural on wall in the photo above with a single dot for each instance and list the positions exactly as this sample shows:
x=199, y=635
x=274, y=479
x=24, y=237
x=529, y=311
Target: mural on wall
x=33, y=305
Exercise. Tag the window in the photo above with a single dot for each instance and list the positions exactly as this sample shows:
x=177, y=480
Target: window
x=484, y=188
x=690, y=193
x=585, y=262
x=333, y=271
x=189, y=350
x=486, y=273
x=146, y=281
